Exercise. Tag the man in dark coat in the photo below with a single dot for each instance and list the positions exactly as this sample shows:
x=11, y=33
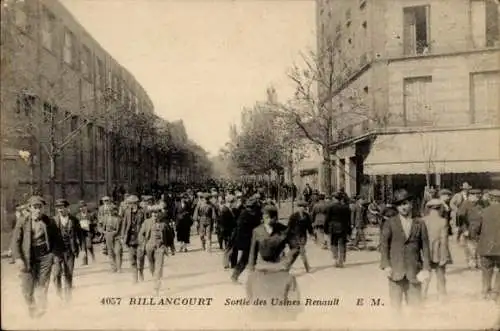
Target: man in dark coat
x=405, y=252
x=71, y=234
x=299, y=225
x=88, y=224
x=248, y=220
x=133, y=218
x=226, y=226
x=183, y=221
x=489, y=246
x=469, y=216
x=36, y=240
x=339, y=228
x=319, y=215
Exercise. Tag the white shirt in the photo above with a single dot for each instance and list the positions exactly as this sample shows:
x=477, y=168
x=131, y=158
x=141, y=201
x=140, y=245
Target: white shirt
x=406, y=222
x=64, y=220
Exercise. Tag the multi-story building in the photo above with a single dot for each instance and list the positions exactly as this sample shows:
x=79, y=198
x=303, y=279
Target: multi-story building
x=55, y=77
x=428, y=73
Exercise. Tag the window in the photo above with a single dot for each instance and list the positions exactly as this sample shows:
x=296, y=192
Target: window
x=99, y=79
x=417, y=101
x=69, y=47
x=485, y=23
x=25, y=103
x=86, y=60
x=485, y=105
x=21, y=15
x=416, y=30
x=73, y=123
x=48, y=25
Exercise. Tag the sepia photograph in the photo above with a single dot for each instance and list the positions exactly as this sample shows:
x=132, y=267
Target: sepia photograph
x=250, y=164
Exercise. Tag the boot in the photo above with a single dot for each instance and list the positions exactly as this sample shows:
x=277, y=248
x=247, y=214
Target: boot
x=141, y=275
x=203, y=245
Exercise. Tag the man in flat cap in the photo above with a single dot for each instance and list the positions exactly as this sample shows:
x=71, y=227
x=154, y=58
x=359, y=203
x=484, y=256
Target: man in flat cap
x=437, y=230
x=338, y=225
x=205, y=215
x=36, y=241
x=404, y=248
x=132, y=221
x=489, y=247
x=111, y=229
x=88, y=223
x=445, y=196
x=455, y=203
x=319, y=216
x=71, y=234
x=226, y=225
x=469, y=216
x=299, y=225
x=103, y=212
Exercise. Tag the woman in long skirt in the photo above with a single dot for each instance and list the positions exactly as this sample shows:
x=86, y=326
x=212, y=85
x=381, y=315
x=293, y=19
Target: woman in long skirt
x=183, y=220
x=272, y=290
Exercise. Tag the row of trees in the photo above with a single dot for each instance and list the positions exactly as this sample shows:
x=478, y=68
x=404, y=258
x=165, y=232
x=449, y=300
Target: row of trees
x=274, y=133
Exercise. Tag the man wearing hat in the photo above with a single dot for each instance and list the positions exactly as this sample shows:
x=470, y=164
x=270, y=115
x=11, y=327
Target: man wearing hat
x=338, y=225
x=133, y=218
x=248, y=220
x=103, y=212
x=404, y=248
x=205, y=215
x=88, y=224
x=319, y=216
x=456, y=201
x=445, y=196
x=226, y=226
x=153, y=240
x=123, y=204
x=71, y=234
x=299, y=225
x=489, y=247
x=36, y=240
x=437, y=230
x=111, y=229
x=469, y=216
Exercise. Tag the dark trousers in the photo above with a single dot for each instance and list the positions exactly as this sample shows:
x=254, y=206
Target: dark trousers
x=136, y=256
x=156, y=258
x=87, y=247
x=488, y=264
x=115, y=251
x=243, y=256
x=403, y=288
x=35, y=282
x=295, y=252
x=229, y=258
x=440, y=272
x=338, y=245
x=64, y=265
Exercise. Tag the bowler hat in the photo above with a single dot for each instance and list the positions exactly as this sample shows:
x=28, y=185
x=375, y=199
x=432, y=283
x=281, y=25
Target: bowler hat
x=62, y=203
x=36, y=200
x=494, y=194
x=444, y=191
x=434, y=203
x=466, y=186
x=401, y=196
x=132, y=199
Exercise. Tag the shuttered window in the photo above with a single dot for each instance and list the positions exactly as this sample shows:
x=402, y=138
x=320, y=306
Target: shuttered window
x=417, y=101
x=485, y=104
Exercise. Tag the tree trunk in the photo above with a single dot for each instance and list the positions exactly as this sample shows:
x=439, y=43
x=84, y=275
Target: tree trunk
x=326, y=174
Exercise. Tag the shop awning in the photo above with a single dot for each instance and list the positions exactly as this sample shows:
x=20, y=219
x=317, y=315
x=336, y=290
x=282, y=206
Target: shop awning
x=465, y=151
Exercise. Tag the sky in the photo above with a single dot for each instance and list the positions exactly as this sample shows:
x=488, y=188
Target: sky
x=202, y=61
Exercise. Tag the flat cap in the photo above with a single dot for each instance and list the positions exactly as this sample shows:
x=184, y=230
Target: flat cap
x=147, y=198
x=494, y=194
x=433, y=203
x=199, y=194
x=270, y=209
x=238, y=194
x=444, y=191
x=475, y=191
x=82, y=203
x=21, y=207
x=62, y=203
x=132, y=199
x=36, y=200
x=105, y=198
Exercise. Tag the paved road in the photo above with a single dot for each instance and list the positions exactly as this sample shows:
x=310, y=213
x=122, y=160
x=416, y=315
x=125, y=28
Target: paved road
x=200, y=274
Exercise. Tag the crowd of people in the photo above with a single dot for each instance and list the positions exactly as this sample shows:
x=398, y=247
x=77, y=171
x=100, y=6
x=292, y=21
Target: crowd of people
x=248, y=231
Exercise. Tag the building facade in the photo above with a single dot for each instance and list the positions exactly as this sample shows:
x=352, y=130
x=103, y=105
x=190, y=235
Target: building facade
x=55, y=78
x=428, y=72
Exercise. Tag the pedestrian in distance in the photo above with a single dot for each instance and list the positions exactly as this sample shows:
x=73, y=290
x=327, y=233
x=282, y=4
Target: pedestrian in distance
x=299, y=225
x=132, y=221
x=88, y=224
x=111, y=228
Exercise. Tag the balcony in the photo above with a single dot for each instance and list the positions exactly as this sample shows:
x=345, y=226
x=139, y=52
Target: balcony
x=354, y=130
